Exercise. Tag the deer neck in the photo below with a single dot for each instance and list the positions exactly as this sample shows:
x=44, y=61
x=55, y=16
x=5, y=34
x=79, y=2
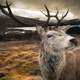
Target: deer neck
x=52, y=63
x=57, y=56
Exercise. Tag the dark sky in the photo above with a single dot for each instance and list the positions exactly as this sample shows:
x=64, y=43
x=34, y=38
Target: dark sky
x=72, y=5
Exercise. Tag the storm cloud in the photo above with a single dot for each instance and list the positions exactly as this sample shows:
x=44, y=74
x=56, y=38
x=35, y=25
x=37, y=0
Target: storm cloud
x=72, y=5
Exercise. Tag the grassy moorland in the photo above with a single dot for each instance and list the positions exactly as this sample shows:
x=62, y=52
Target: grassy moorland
x=19, y=60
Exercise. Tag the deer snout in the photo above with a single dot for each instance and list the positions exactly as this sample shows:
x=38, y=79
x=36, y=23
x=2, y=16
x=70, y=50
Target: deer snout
x=74, y=42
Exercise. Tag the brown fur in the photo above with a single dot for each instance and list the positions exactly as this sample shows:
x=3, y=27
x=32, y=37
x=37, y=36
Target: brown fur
x=54, y=62
x=72, y=69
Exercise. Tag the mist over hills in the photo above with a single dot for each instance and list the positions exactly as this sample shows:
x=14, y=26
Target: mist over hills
x=6, y=23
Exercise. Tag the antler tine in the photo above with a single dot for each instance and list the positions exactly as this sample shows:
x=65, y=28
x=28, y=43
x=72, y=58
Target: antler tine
x=57, y=11
x=8, y=7
x=47, y=15
x=2, y=8
x=43, y=13
x=10, y=14
x=56, y=15
x=59, y=19
x=63, y=16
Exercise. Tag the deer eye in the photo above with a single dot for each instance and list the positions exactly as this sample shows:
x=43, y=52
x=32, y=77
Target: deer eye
x=49, y=35
x=60, y=34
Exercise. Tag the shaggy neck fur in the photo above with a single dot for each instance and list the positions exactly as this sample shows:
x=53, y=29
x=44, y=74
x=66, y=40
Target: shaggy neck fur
x=51, y=63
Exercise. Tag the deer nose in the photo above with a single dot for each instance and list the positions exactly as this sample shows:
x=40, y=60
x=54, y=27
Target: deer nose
x=74, y=42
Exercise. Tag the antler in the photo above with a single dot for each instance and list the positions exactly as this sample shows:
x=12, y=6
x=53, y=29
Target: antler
x=59, y=20
x=2, y=8
x=11, y=15
x=48, y=16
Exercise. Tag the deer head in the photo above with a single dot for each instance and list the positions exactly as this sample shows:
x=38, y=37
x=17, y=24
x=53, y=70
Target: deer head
x=55, y=37
x=56, y=40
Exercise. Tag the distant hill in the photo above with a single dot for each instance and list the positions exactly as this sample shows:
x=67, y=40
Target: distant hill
x=6, y=22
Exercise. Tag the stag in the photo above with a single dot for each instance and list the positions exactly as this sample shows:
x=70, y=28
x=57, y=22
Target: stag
x=54, y=44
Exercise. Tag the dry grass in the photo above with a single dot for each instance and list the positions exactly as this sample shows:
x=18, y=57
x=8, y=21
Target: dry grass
x=20, y=60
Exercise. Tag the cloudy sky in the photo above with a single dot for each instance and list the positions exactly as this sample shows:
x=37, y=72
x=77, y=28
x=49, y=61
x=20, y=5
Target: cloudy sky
x=72, y=5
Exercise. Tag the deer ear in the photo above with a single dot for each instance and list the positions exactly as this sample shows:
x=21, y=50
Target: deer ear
x=40, y=30
x=65, y=28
